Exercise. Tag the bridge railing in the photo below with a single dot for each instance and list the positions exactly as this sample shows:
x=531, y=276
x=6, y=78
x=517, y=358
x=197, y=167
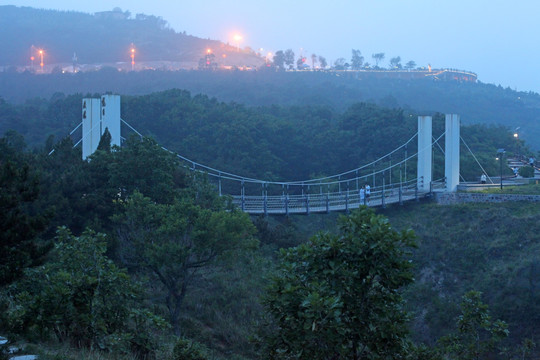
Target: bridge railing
x=439, y=184
x=326, y=201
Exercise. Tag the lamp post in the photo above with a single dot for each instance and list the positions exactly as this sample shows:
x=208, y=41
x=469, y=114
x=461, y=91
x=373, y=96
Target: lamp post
x=237, y=38
x=516, y=136
x=500, y=153
x=41, y=59
x=132, y=57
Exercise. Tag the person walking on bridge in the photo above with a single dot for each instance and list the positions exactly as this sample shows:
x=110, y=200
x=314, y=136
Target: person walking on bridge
x=368, y=193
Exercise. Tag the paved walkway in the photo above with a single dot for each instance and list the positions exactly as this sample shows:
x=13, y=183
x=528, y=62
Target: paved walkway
x=14, y=349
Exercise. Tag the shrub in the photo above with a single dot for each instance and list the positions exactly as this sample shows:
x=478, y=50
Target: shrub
x=83, y=298
x=189, y=350
x=526, y=171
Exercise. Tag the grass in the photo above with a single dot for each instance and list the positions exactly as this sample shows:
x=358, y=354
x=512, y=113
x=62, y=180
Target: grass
x=528, y=189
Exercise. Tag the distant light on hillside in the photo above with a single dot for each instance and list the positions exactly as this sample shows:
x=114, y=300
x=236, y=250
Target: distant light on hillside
x=237, y=39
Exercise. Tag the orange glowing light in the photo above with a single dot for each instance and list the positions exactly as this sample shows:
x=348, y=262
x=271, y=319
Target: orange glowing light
x=41, y=58
x=237, y=38
x=208, y=51
x=132, y=50
x=32, y=58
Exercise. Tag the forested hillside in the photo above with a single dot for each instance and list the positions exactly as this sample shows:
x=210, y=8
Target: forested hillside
x=64, y=33
x=131, y=255
x=268, y=142
x=492, y=248
x=171, y=258
x=475, y=103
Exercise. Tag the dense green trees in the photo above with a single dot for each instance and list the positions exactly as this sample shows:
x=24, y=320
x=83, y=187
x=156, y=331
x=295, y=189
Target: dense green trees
x=81, y=297
x=20, y=220
x=176, y=243
x=338, y=296
x=477, y=334
x=196, y=258
x=273, y=143
x=476, y=103
x=177, y=238
x=488, y=247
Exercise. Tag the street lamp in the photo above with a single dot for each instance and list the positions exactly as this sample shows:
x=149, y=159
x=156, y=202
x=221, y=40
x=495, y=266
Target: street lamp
x=132, y=57
x=238, y=38
x=516, y=136
x=500, y=154
x=41, y=58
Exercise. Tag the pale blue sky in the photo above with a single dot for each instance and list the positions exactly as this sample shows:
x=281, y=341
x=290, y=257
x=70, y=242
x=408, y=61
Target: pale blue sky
x=498, y=39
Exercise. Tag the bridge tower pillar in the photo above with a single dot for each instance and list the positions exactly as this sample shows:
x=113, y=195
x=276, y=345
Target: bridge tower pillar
x=451, y=157
x=424, y=153
x=110, y=117
x=98, y=115
x=91, y=126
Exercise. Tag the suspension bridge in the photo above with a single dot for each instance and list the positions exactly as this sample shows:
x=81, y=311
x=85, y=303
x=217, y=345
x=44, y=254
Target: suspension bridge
x=378, y=183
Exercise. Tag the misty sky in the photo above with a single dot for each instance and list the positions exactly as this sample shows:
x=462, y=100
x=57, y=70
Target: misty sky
x=497, y=39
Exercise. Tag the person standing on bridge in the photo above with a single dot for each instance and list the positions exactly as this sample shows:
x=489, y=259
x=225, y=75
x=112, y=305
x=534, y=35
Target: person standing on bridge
x=362, y=196
x=483, y=178
x=368, y=193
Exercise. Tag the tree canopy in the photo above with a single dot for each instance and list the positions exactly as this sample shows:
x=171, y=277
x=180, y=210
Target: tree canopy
x=338, y=296
x=20, y=222
x=177, y=243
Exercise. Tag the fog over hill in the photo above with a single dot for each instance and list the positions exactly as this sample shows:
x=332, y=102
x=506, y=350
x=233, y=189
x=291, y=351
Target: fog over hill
x=104, y=38
x=475, y=103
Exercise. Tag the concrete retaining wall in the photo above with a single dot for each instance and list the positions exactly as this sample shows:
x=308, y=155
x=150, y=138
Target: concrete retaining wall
x=460, y=198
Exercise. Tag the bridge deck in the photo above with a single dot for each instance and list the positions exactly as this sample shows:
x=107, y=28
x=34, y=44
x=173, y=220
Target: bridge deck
x=322, y=202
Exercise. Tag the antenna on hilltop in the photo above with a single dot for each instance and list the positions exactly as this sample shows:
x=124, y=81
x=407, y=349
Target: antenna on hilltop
x=74, y=59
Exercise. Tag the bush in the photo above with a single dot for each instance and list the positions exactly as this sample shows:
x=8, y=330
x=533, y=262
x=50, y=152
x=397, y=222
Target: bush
x=83, y=298
x=526, y=171
x=189, y=350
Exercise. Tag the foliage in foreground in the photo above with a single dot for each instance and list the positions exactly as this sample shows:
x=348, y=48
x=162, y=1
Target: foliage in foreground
x=81, y=297
x=338, y=295
x=19, y=223
x=489, y=247
x=173, y=244
x=477, y=335
x=185, y=349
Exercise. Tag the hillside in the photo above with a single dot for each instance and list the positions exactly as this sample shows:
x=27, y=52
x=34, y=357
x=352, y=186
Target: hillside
x=492, y=248
x=160, y=49
x=104, y=39
x=476, y=103
x=270, y=142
